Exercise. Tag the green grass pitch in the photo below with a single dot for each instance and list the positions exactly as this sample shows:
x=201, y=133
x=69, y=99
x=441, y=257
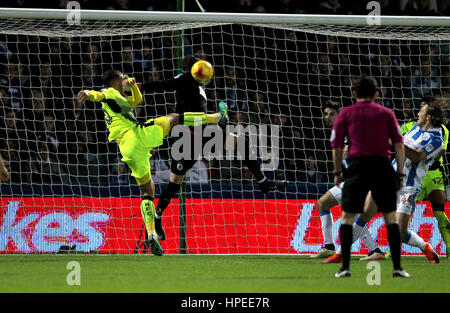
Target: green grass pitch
x=211, y=274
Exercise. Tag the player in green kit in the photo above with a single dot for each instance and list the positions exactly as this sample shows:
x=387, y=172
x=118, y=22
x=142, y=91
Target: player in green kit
x=433, y=185
x=136, y=140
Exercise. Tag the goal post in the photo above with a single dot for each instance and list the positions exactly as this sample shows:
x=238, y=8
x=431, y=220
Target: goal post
x=68, y=185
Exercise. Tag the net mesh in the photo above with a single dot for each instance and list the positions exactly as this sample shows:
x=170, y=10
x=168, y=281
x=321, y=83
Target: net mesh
x=69, y=186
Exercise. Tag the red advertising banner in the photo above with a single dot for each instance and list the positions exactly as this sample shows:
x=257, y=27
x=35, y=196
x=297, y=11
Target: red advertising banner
x=224, y=226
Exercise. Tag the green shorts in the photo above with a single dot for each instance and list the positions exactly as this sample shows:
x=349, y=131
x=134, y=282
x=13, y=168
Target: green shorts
x=136, y=144
x=432, y=181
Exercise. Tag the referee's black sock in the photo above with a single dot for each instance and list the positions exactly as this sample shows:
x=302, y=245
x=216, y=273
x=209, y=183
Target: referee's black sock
x=165, y=197
x=393, y=232
x=346, y=235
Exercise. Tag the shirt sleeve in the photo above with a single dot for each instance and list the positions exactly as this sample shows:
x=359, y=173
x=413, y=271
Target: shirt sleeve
x=394, y=129
x=407, y=127
x=136, y=96
x=445, y=134
x=433, y=145
x=339, y=131
x=96, y=96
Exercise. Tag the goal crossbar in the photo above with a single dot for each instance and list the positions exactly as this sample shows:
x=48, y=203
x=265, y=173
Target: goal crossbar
x=212, y=17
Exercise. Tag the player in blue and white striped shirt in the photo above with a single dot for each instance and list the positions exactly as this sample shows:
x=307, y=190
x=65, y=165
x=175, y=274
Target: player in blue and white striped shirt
x=423, y=145
x=429, y=142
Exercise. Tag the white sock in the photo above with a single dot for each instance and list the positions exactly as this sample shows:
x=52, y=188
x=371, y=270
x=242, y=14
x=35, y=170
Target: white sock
x=360, y=227
x=415, y=240
x=357, y=231
x=369, y=242
x=327, y=226
x=363, y=233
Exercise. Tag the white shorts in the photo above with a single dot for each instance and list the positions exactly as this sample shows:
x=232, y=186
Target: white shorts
x=406, y=201
x=337, y=192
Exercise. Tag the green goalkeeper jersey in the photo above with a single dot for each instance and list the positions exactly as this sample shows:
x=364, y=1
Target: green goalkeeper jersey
x=119, y=116
x=407, y=127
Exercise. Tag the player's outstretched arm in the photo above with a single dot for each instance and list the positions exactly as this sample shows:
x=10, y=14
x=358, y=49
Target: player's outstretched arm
x=415, y=155
x=136, y=96
x=91, y=95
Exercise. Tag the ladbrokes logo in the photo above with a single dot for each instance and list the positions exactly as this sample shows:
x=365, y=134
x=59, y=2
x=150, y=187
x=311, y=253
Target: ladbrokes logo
x=46, y=232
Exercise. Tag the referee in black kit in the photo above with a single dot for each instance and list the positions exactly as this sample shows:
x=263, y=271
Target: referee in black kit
x=369, y=128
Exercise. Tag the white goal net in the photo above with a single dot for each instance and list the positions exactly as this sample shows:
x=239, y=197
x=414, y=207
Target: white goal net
x=68, y=186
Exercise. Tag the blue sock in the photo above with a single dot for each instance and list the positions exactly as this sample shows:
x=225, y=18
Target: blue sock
x=407, y=237
x=360, y=222
x=326, y=212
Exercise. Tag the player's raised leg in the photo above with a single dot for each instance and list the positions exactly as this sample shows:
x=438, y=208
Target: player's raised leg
x=194, y=118
x=189, y=119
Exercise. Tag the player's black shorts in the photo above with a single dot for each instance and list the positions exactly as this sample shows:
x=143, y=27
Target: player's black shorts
x=374, y=174
x=181, y=166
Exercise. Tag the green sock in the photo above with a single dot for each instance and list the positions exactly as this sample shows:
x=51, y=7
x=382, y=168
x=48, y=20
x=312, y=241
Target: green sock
x=443, y=223
x=199, y=118
x=194, y=118
x=148, y=214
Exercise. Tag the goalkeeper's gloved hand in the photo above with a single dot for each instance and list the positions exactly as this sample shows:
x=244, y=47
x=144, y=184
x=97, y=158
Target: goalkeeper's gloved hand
x=223, y=109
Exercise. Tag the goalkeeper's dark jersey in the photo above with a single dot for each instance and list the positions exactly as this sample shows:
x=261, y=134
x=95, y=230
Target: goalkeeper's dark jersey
x=190, y=96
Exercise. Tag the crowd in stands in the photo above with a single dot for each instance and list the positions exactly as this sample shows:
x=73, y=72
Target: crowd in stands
x=282, y=78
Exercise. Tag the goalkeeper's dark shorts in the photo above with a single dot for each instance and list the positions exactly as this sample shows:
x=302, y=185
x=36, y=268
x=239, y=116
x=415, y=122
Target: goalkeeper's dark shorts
x=180, y=165
x=374, y=174
x=184, y=160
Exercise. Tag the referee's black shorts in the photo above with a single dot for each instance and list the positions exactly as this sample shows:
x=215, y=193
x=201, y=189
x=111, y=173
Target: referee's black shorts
x=374, y=174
